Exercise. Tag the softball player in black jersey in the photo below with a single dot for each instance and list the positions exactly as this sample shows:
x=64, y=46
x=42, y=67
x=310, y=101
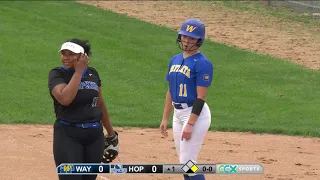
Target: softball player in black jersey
x=79, y=107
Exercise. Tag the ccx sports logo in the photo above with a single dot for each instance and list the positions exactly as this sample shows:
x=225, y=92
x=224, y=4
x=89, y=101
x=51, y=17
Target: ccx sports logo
x=227, y=169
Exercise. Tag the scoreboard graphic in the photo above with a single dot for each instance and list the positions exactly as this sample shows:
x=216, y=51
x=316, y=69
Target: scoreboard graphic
x=188, y=168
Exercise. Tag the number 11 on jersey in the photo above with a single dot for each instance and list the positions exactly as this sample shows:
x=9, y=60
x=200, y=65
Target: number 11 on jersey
x=183, y=89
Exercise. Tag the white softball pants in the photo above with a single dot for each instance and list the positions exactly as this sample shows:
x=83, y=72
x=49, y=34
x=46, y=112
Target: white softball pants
x=189, y=150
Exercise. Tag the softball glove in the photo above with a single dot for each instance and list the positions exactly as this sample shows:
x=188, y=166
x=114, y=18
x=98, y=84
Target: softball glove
x=111, y=148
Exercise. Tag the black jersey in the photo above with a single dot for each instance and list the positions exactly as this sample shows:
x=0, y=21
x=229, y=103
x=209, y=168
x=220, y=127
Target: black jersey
x=84, y=106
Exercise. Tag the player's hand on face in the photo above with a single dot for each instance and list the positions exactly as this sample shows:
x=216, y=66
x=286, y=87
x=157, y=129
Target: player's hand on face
x=187, y=132
x=81, y=64
x=163, y=127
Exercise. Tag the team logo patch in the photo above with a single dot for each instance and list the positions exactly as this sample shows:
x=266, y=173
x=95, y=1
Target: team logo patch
x=206, y=77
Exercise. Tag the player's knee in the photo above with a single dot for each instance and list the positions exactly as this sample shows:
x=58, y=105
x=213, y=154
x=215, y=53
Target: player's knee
x=194, y=177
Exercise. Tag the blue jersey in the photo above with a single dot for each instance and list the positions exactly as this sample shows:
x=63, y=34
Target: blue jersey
x=184, y=75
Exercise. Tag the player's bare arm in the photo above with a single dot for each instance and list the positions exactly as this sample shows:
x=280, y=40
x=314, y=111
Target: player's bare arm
x=166, y=113
x=187, y=131
x=105, y=116
x=65, y=93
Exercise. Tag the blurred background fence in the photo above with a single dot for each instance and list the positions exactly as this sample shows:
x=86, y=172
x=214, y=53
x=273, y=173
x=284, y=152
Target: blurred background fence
x=310, y=8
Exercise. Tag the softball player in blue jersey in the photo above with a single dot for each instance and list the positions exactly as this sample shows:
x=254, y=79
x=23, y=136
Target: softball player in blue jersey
x=189, y=76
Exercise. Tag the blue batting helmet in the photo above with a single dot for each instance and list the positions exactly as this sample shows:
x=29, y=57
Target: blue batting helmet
x=193, y=28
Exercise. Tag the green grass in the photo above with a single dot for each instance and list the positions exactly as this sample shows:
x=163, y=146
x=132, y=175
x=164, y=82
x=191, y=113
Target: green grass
x=132, y=58
x=284, y=13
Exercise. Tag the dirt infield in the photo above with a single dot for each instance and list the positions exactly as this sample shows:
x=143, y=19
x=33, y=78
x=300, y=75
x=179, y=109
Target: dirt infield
x=26, y=150
x=29, y=147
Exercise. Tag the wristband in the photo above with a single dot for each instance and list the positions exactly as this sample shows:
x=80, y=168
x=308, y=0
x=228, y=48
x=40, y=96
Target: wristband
x=190, y=124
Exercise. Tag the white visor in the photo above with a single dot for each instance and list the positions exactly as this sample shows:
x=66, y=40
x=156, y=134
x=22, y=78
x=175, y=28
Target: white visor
x=72, y=47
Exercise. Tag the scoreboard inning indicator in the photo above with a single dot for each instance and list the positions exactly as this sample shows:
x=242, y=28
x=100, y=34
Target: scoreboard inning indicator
x=189, y=168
